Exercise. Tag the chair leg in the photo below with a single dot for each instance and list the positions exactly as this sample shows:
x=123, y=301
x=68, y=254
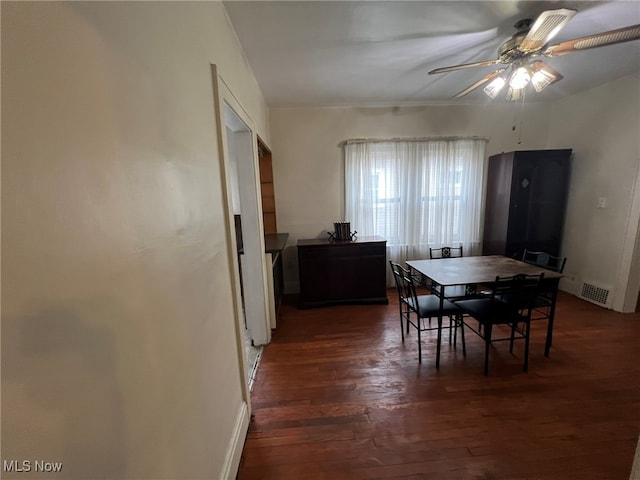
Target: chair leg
x=514, y=325
x=439, y=341
x=455, y=330
x=419, y=343
x=548, y=340
x=408, y=315
x=401, y=323
x=551, y=311
x=527, y=329
x=487, y=345
x=464, y=347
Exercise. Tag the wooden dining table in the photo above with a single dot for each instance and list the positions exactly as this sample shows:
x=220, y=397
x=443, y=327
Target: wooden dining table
x=482, y=270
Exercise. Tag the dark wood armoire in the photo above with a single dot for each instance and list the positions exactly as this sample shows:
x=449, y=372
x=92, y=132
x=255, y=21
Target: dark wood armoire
x=526, y=201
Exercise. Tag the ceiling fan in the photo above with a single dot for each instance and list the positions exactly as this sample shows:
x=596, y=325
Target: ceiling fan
x=520, y=54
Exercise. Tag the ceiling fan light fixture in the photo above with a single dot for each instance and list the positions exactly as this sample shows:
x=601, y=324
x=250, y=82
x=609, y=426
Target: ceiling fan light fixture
x=494, y=87
x=515, y=94
x=543, y=75
x=518, y=54
x=520, y=78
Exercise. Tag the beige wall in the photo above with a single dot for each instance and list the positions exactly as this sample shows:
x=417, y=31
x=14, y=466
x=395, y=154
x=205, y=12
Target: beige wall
x=308, y=163
x=602, y=125
x=119, y=352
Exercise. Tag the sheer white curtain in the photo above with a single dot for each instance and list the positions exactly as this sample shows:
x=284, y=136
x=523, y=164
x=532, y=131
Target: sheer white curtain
x=416, y=193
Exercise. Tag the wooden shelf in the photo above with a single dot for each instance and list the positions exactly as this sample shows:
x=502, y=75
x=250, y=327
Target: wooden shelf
x=266, y=189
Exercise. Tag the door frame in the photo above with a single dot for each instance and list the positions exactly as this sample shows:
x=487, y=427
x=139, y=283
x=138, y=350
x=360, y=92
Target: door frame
x=224, y=96
x=627, y=290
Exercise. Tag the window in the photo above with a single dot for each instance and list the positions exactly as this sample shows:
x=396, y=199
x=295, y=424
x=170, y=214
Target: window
x=416, y=194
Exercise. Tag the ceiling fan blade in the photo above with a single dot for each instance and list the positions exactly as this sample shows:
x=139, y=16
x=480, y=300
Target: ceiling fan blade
x=479, y=83
x=484, y=63
x=602, y=39
x=546, y=26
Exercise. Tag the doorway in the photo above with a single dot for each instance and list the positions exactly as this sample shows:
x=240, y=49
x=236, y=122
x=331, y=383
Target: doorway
x=239, y=168
x=239, y=152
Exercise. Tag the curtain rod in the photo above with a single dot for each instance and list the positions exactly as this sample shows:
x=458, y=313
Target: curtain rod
x=406, y=139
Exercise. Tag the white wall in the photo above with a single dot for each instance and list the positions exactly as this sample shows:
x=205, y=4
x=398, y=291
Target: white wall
x=233, y=173
x=308, y=161
x=119, y=353
x=602, y=125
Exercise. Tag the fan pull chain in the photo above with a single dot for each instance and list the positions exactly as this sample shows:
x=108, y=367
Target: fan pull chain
x=515, y=119
x=524, y=93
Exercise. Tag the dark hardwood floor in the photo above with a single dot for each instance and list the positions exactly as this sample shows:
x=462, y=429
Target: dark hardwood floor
x=339, y=396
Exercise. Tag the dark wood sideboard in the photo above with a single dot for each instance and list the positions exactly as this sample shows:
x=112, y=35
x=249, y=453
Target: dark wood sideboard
x=342, y=272
x=274, y=243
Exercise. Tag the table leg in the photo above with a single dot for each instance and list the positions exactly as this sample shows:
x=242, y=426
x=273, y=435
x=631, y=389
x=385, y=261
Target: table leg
x=440, y=326
x=552, y=314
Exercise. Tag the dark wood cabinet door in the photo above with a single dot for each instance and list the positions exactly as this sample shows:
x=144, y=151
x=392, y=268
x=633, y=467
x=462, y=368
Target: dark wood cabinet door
x=497, y=204
x=315, y=277
x=532, y=187
x=342, y=272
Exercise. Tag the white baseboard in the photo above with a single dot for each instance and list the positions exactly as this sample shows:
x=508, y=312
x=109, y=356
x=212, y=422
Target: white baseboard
x=234, y=452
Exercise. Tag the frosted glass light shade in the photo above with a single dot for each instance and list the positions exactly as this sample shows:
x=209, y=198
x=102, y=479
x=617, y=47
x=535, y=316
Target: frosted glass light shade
x=494, y=87
x=515, y=94
x=520, y=78
x=543, y=75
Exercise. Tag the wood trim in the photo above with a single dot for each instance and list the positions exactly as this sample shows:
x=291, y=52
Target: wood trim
x=267, y=190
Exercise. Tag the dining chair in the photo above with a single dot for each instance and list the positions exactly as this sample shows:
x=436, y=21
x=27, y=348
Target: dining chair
x=442, y=252
x=544, y=260
x=510, y=303
x=445, y=252
x=456, y=291
x=546, y=299
x=424, y=307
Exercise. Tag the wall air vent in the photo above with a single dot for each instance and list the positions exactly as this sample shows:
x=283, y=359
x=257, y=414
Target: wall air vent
x=593, y=293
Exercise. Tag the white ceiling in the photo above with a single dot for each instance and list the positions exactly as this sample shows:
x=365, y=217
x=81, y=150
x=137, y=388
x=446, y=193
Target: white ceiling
x=378, y=53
